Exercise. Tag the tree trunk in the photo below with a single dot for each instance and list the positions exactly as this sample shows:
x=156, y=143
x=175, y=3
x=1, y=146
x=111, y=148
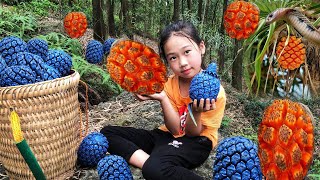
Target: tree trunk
x=176, y=7
x=200, y=10
x=237, y=66
x=126, y=24
x=111, y=24
x=221, y=50
x=99, y=28
x=189, y=4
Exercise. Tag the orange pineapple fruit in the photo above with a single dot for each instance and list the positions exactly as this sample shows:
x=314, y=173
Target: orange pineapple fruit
x=286, y=140
x=241, y=19
x=292, y=55
x=136, y=67
x=75, y=24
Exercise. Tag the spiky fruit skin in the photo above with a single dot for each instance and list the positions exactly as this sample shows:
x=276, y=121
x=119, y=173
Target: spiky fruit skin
x=17, y=75
x=205, y=84
x=92, y=149
x=241, y=19
x=136, y=67
x=114, y=167
x=3, y=64
x=292, y=55
x=75, y=24
x=38, y=47
x=94, y=52
x=107, y=45
x=48, y=73
x=10, y=46
x=286, y=140
x=237, y=158
x=59, y=60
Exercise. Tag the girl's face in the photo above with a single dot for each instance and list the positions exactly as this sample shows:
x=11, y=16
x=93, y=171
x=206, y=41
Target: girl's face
x=184, y=56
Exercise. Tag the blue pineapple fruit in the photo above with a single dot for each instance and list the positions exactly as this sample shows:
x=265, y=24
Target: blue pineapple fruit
x=17, y=75
x=205, y=84
x=107, y=45
x=237, y=158
x=114, y=167
x=94, y=52
x=10, y=46
x=59, y=60
x=39, y=47
x=48, y=73
x=92, y=149
x=3, y=64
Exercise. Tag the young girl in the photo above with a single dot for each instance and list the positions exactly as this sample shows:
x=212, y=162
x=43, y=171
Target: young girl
x=170, y=151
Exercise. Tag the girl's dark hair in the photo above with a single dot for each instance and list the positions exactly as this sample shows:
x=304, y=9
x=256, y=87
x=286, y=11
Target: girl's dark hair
x=180, y=28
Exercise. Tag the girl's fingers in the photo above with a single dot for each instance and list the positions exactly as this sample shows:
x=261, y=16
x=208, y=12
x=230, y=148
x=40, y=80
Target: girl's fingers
x=213, y=104
x=208, y=105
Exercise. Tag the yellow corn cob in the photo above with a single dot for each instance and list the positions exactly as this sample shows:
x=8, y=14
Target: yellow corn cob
x=16, y=127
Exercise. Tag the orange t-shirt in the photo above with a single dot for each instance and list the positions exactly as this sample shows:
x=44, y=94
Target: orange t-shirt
x=211, y=120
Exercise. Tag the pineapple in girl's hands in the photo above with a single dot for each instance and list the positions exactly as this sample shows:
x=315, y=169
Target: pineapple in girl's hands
x=205, y=85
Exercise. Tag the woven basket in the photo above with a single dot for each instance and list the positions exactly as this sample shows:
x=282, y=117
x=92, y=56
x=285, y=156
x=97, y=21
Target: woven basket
x=49, y=113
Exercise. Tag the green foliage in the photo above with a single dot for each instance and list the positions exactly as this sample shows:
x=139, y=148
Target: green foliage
x=16, y=24
x=14, y=2
x=95, y=76
x=315, y=170
x=260, y=43
x=60, y=41
x=225, y=121
x=40, y=8
x=254, y=109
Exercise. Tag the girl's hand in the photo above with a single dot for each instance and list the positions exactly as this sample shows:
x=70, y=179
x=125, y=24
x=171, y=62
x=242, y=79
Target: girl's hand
x=157, y=96
x=204, y=105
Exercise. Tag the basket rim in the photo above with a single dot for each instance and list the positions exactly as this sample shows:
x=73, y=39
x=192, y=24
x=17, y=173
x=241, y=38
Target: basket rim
x=39, y=88
x=73, y=72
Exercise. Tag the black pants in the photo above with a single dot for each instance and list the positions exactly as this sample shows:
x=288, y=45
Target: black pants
x=170, y=158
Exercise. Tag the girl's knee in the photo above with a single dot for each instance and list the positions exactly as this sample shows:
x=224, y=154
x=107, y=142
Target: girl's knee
x=108, y=130
x=153, y=169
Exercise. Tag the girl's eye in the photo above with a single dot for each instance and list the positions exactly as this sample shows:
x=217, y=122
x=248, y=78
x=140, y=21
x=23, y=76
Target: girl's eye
x=172, y=58
x=187, y=51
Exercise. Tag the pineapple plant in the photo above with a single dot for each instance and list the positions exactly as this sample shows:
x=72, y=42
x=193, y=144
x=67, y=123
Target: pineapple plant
x=286, y=140
x=241, y=19
x=59, y=60
x=107, y=45
x=38, y=47
x=94, y=52
x=10, y=46
x=237, y=158
x=114, y=167
x=136, y=67
x=75, y=24
x=292, y=55
x=92, y=149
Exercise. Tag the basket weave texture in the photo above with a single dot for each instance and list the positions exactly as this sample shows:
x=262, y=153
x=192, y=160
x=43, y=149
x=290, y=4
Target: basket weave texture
x=49, y=114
